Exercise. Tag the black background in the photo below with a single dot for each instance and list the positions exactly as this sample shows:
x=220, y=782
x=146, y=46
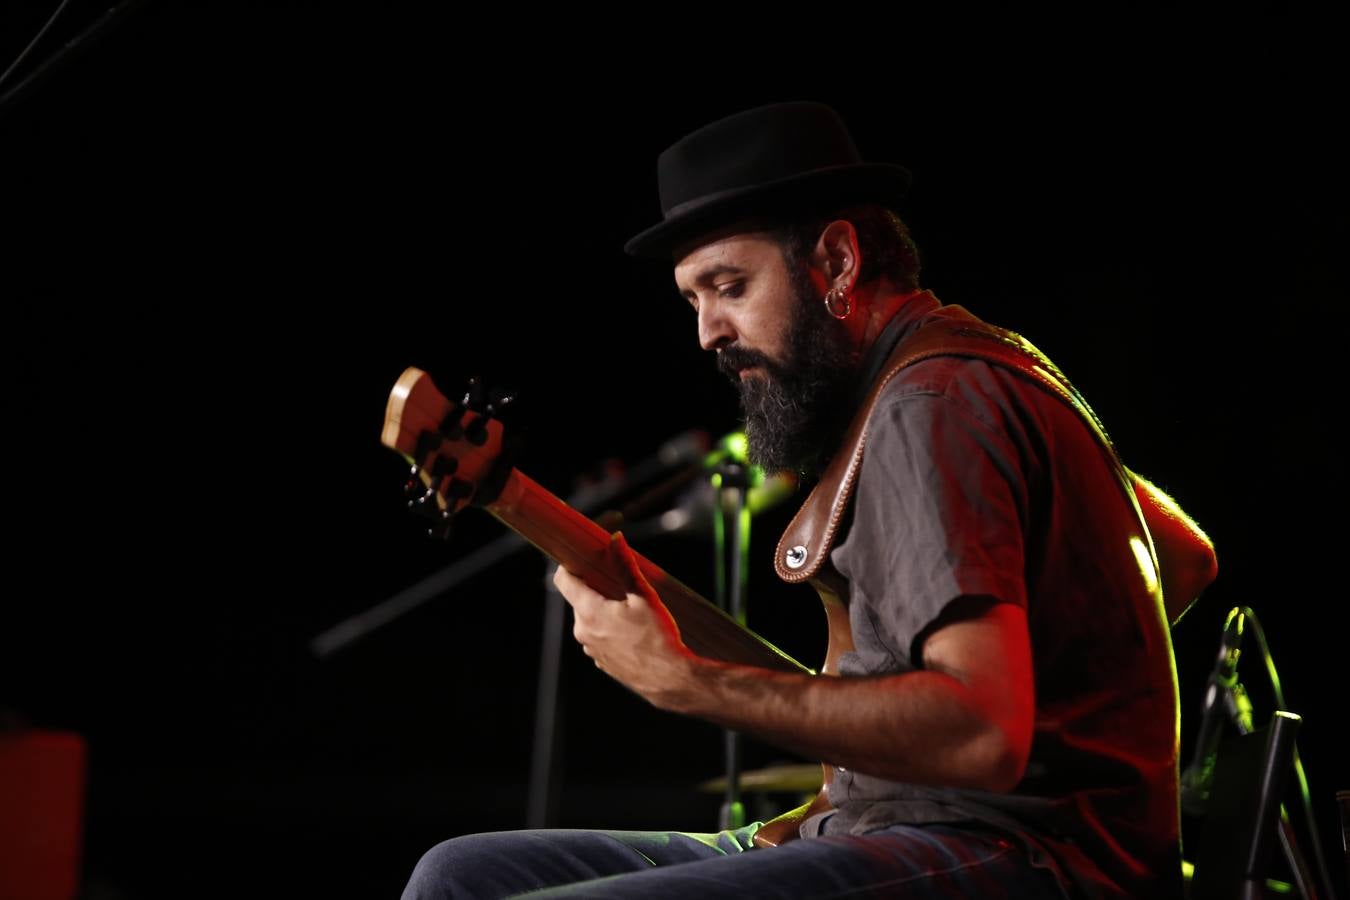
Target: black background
x=228, y=232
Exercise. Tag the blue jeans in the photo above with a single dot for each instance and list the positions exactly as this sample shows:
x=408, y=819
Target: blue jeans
x=902, y=861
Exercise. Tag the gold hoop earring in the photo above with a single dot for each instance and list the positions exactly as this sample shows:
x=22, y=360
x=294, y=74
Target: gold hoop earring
x=838, y=297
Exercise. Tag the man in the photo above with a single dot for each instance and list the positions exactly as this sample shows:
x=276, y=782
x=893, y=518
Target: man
x=1007, y=723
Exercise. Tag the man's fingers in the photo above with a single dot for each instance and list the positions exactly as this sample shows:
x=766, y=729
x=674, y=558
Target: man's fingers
x=580, y=595
x=563, y=579
x=629, y=560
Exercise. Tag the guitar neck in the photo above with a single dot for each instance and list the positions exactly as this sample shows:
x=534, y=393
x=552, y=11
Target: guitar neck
x=582, y=547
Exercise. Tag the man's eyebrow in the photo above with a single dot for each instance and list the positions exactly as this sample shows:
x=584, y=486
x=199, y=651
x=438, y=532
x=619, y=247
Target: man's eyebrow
x=707, y=275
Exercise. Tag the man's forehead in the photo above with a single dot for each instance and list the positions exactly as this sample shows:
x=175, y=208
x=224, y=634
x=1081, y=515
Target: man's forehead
x=740, y=251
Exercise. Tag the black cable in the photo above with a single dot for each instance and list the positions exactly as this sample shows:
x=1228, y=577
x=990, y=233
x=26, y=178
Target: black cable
x=80, y=42
x=23, y=54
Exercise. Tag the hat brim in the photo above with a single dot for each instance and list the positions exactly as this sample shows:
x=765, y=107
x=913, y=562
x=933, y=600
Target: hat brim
x=839, y=186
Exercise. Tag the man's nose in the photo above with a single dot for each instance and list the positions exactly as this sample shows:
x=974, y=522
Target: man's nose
x=714, y=330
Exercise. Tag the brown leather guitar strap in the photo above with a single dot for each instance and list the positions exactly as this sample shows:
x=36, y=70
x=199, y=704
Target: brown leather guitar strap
x=803, y=551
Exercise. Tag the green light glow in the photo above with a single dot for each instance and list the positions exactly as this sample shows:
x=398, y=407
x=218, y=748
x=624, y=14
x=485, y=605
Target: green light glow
x=1272, y=886
x=736, y=445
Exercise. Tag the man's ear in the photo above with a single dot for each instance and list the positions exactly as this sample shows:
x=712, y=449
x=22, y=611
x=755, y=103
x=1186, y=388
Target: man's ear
x=837, y=255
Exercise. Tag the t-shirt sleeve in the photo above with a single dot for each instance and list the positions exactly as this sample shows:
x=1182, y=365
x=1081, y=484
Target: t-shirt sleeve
x=939, y=511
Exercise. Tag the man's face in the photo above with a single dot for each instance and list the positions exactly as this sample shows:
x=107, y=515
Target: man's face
x=791, y=362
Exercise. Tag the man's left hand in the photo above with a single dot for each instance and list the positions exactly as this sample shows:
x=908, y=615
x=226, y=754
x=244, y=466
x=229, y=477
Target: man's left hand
x=634, y=640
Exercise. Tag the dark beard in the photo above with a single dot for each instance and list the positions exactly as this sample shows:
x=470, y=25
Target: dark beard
x=796, y=411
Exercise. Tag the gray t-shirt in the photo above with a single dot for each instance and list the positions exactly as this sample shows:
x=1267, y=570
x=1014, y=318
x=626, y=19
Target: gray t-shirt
x=977, y=482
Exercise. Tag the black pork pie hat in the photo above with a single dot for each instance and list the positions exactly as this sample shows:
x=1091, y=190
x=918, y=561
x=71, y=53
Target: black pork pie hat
x=767, y=160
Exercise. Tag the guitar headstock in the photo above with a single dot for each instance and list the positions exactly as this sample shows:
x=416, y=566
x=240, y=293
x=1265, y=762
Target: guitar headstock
x=458, y=450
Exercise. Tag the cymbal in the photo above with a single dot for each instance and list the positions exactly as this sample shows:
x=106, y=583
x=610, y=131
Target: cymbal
x=787, y=779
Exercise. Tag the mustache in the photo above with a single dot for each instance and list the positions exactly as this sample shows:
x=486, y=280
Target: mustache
x=731, y=359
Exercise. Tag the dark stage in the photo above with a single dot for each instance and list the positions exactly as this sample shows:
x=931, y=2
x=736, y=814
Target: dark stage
x=228, y=232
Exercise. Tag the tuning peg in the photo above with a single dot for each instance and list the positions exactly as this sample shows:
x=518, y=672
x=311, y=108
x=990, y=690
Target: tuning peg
x=474, y=395
x=443, y=466
x=428, y=442
x=441, y=528
x=499, y=401
x=413, y=486
x=450, y=426
x=476, y=431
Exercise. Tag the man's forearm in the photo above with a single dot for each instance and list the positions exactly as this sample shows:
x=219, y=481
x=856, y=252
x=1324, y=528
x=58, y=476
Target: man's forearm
x=963, y=718
x=924, y=727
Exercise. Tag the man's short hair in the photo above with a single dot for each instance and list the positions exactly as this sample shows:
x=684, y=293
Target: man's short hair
x=883, y=240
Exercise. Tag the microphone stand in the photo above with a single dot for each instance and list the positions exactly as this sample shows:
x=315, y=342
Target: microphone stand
x=731, y=480
x=1238, y=707
x=543, y=792
x=542, y=799
x=736, y=500
x=684, y=456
